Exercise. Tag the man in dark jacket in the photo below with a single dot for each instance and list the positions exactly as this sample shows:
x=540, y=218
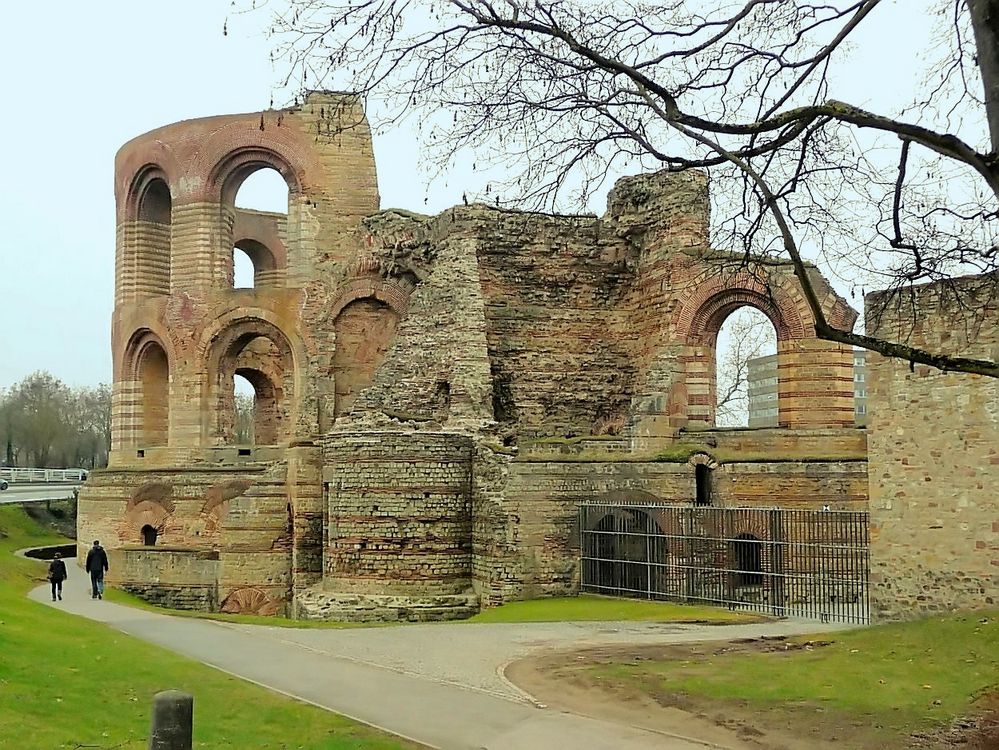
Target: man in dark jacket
x=97, y=563
x=57, y=574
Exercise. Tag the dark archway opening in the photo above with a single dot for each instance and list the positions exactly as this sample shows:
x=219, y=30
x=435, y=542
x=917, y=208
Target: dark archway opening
x=747, y=552
x=702, y=485
x=149, y=535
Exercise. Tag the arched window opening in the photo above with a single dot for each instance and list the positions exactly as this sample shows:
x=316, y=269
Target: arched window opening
x=253, y=265
x=152, y=240
x=364, y=331
x=702, y=485
x=154, y=379
x=747, y=554
x=253, y=358
x=149, y=535
x=244, y=403
x=263, y=189
x=745, y=369
x=243, y=272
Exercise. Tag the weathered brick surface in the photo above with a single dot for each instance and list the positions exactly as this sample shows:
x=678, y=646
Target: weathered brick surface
x=934, y=452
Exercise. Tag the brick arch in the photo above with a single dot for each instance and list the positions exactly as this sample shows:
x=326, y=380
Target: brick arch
x=703, y=459
x=239, y=322
x=215, y=507
x=705, y=310
x=138, y=343
x=388, y=291
x=139, y=186
x=233, y=152
x=249, y=600
x=137, y=162
x=150, y=504
x=234, y=350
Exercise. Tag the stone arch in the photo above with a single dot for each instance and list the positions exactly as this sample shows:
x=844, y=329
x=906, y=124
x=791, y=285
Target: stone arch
x=260, y=351
x=364, y=327
x=150, y=504
x=146, y=385
x=804, y=398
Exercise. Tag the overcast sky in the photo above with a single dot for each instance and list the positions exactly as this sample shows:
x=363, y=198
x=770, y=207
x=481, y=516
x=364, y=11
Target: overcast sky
x=80, y=79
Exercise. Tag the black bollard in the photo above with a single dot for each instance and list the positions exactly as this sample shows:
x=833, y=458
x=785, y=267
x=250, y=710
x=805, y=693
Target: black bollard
x=173, y=721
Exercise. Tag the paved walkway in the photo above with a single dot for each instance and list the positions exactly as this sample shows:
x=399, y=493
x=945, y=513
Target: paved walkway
x=440, y=685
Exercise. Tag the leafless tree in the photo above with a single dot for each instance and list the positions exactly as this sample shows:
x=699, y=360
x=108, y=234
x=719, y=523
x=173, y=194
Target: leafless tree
x=562, y=93
x=244, y=404
x=44, y=423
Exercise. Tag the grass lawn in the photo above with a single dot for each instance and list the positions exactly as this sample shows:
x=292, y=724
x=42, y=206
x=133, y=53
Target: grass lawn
x=903, y=677
x=591, y=608
x=67, y=682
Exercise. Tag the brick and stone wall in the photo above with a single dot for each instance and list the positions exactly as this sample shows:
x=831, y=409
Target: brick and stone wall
x=525, y=507
x=399, y=513
x=934, y=452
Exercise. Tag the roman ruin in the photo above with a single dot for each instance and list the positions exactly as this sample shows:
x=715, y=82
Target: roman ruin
x=434, y=395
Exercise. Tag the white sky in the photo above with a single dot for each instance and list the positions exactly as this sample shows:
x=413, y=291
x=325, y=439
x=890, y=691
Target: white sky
x=81, y=79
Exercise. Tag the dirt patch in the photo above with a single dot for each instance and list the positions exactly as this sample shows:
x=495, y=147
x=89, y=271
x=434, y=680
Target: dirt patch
x=567, y=681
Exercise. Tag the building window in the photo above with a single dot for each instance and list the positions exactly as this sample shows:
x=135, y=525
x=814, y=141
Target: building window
x=149, y=535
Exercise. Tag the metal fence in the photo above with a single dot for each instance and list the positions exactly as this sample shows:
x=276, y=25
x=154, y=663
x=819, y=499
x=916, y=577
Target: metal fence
x=790, y=563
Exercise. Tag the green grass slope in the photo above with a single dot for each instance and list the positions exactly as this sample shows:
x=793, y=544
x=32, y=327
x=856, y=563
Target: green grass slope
x=67, y=682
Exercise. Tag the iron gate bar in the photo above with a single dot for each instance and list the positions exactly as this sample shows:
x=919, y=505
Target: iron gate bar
x=786, y=562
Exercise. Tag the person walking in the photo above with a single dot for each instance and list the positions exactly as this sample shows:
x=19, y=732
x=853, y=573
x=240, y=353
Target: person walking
x=57, y=574
x=97, y=563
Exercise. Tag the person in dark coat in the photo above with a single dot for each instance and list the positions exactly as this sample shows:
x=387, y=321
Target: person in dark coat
x=97, y=563
x=57, y=574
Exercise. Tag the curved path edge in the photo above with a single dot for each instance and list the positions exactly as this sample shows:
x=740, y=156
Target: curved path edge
x=428, y=712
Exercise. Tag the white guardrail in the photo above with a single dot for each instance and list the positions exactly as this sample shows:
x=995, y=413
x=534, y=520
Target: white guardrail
x=43, y=475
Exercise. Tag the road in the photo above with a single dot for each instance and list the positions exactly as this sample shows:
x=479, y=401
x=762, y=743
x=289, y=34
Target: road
x=440, y=685
x=20, y=493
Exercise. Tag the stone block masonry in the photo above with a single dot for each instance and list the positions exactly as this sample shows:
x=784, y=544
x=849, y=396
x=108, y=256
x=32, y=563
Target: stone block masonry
x=934, y=454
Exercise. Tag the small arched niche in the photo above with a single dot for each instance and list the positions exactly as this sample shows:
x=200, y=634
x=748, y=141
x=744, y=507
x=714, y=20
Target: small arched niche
x=154, y=384
x=364, y=331
x=151, y=238
x=149, y=535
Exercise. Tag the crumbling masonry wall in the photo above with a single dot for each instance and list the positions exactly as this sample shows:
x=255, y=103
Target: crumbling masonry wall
x=434, y=395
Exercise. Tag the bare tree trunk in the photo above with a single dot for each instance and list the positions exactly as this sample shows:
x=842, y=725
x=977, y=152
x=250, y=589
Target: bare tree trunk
x=985, y=22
